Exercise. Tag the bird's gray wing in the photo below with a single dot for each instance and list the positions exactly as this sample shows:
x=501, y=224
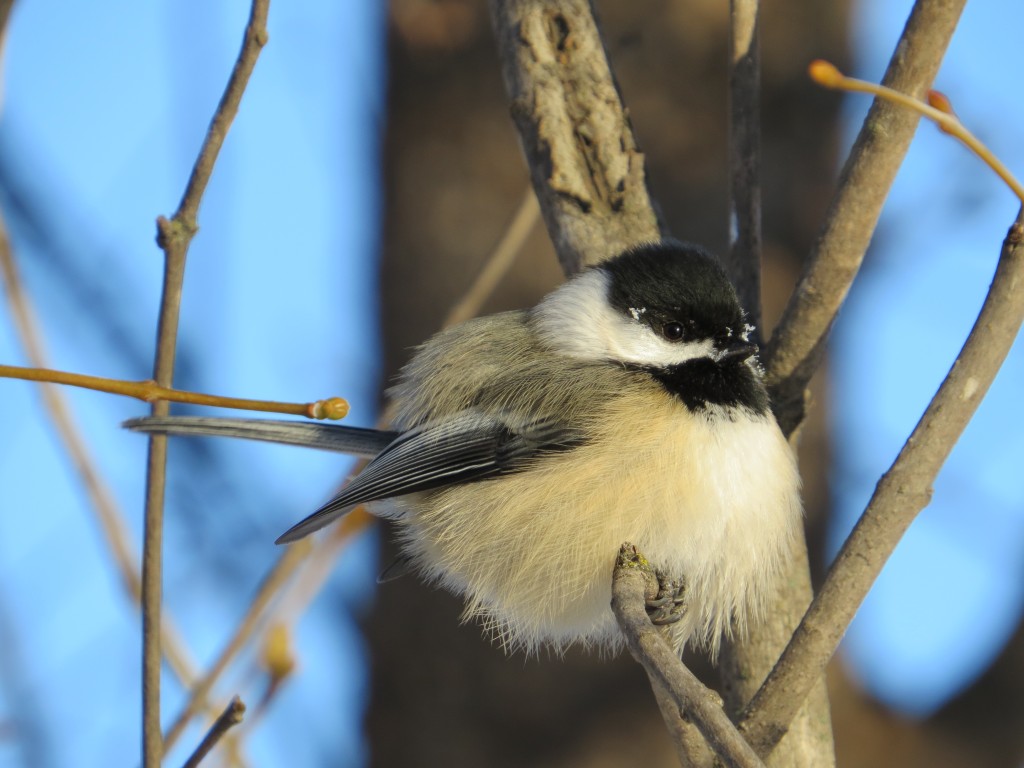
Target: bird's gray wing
x=327, y=437
x=467, y=449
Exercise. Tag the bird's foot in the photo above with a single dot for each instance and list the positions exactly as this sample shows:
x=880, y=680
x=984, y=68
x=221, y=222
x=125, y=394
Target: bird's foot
x=669, y=605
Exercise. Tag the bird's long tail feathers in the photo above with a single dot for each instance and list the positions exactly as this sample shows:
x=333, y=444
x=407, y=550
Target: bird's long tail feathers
x=328, y=437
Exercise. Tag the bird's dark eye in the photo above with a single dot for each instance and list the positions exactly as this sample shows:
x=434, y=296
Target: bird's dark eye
x=672, y=331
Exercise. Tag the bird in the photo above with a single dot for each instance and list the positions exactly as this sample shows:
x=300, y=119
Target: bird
x=527, y=446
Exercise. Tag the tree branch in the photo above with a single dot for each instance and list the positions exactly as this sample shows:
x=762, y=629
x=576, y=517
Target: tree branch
x=796, y=347
x=108, y=515
x=498, y=263
x=278, y=576
x=745, y=661
x=174, y=237
x=632, y=581
x=586, y=167
x=743, y=259
x=899, y=496
x=229, y=718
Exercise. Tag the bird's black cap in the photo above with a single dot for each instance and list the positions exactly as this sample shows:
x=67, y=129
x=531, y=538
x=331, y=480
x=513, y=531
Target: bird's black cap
x=674, y=281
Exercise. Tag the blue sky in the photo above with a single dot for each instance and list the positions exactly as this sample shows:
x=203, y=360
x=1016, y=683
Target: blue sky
x=280, y=302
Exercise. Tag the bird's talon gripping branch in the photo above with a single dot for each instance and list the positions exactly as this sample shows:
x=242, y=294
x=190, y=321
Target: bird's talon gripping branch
x=669, y=605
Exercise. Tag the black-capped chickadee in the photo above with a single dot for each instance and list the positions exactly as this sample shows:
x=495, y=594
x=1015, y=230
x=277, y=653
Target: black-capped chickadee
x=626, y=406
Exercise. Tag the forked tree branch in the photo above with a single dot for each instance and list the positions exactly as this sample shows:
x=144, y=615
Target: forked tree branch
x=795, y=349
x=632, y=581
x=108, y=515
x=899, y=496
x=174, y=237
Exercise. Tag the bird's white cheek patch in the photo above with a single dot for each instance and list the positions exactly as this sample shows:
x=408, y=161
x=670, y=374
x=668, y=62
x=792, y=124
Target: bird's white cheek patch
x=634, y=342
x=578, y=321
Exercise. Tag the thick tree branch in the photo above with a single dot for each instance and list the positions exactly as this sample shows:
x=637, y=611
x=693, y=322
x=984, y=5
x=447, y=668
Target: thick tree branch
x=796, y=346
x=901, y=493
x=632, y=581
x=586, y=167
x=174, y=237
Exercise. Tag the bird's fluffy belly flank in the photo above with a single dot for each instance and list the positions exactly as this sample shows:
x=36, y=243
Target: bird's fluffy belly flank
x=548, y=549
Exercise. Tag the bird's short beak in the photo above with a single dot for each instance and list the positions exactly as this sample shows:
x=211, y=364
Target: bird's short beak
x=738, y=351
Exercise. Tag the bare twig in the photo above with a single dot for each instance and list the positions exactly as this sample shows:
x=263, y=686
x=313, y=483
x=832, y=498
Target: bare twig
x=631, y=581
x=230, y=717
x=149, y=391
x=901, y=493
x=796, y=346
x=498, y=263
x=102, y=500
x=743, y=259
x=274, y=580
x=586, y=168
x=314, y=570
x=174, y=237
x=938, y=109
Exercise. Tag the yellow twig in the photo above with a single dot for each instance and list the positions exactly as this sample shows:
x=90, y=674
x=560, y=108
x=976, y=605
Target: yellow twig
x=110, y=519
x=939, y=111
x=149, y=391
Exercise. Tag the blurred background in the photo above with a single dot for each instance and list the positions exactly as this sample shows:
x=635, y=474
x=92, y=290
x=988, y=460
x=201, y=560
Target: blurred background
x=371, y=171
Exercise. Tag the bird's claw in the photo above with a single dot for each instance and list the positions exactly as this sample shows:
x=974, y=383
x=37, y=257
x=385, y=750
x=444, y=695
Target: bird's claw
x=669, y=605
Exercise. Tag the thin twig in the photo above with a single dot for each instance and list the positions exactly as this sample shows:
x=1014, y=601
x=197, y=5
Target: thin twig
x=230, y=717
x=795, y=348
x=149, y=391
x=826, y=74
x=899, y=496
x=631, y=581
x=498, y=263
x=174, y=237
x=274, y=580
x=102, y=500
x=743, y=259
x=316, y=568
